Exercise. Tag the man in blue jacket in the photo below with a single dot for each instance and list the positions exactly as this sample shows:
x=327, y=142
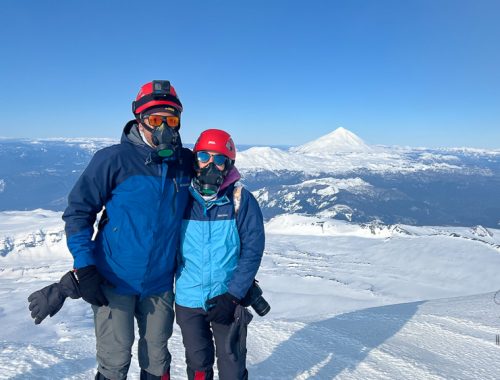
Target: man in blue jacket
x=222, y=242
x=127, y=271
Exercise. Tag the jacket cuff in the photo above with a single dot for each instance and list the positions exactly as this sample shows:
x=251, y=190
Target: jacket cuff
x=83, y=261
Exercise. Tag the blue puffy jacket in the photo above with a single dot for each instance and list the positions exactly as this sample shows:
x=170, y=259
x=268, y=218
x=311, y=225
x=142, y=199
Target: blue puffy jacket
x=220, y=251
x=144, y=202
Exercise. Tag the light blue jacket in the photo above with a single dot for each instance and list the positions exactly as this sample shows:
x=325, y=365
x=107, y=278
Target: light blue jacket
x=220, y=250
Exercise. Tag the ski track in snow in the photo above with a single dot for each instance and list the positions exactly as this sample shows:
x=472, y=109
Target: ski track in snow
x=343, y=307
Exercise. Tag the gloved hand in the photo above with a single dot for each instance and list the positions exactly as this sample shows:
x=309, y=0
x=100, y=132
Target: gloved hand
x=49, y=300
x=236, y=338
x=90, y=285
x=223, y=309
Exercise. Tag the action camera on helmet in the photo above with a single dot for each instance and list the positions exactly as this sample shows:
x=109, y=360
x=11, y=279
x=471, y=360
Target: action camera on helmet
x=254, y=298
x=161, y=88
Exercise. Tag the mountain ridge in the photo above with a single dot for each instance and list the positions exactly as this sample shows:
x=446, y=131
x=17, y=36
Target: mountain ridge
x=394, y=185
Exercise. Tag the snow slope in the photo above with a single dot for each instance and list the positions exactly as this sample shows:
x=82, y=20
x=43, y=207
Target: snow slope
x=348, y=302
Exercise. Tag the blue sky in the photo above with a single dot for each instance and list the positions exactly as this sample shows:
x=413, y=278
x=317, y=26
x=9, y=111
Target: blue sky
x=418, y=73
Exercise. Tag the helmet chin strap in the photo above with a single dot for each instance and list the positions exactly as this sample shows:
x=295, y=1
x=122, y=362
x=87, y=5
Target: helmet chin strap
x=144, y=125
x=144, y=138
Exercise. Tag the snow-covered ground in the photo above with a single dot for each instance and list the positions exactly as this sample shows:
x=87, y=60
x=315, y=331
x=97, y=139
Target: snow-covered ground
x=348, y=301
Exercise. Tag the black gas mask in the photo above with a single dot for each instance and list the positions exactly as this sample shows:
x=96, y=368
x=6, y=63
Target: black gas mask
x=167, y=140
x=209, y=179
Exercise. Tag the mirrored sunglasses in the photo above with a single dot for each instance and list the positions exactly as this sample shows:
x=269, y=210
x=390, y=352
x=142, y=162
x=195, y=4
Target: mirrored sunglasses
x=204, y=157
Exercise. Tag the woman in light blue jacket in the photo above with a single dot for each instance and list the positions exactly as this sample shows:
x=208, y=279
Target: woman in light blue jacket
x=222, y=242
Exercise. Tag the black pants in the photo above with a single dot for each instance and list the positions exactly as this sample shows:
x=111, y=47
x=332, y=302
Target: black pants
x=198, y=337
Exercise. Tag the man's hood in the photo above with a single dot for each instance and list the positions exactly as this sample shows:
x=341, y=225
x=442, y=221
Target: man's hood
x=132, y=135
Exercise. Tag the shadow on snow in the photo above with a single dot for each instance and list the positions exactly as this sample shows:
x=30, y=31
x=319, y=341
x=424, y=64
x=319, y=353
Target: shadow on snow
x=322, y=350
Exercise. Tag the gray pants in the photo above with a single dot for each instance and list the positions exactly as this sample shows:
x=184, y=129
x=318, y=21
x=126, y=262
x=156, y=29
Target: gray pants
x=114, y=330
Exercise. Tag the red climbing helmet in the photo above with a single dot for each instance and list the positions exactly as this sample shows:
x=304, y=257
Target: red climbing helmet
x=156, y=94
x=216, y=140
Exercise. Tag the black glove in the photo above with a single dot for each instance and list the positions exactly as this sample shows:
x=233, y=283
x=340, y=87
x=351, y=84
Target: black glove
x=236, y=338
x=90, y=285
x=49, y=300
x=223, y=311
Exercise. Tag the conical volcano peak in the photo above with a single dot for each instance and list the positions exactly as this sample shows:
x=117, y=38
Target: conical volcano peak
x=340, y=140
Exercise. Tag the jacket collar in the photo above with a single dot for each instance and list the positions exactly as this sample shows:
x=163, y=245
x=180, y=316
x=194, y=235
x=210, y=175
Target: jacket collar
x=219, y=200
x=131, y=135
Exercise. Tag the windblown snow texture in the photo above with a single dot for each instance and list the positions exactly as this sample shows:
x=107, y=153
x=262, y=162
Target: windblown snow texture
x=349, y=301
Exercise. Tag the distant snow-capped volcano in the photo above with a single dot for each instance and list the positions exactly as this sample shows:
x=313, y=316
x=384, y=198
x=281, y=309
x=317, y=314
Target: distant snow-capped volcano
x=340, y=140
x=341, y=151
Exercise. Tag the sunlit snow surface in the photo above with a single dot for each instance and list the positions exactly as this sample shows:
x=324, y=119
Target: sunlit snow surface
x=348, y=301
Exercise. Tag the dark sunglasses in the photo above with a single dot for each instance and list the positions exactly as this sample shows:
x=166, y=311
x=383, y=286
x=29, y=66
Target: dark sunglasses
x=157, y=120
x=204, y=157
